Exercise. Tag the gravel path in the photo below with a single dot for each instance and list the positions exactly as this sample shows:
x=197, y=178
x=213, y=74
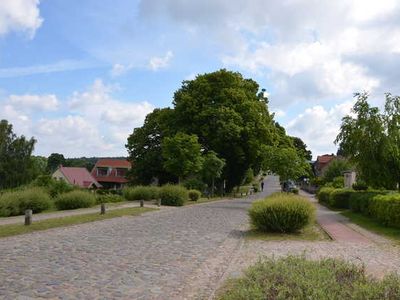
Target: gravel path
x=159, y=255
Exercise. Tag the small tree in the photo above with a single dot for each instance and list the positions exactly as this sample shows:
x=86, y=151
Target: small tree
x=212, y=168
x=182, y=155
x=54, y=161
x=336, y=169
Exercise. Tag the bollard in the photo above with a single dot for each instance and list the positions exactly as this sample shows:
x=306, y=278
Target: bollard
x=28, y=217
x=141, y=203
x=158, y=202
x=102, y=209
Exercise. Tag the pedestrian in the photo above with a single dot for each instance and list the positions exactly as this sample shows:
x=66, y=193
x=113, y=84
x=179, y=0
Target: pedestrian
x=262, y=185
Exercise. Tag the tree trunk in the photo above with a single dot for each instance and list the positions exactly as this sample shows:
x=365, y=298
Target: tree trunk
x=212, y=188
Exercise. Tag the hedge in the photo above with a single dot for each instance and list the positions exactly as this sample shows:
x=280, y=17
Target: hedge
x=75, y=199
x=173, y=195
x=360, y=200
x=323, y=194
x=281, y=213
x=108, y=198
x=141, y=192
x=386, y=209
x=339, y=198
x=194, y=195
x=16, y=202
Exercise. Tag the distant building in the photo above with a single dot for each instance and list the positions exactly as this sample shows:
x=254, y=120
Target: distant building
x=111, y=173
x=322, y=163
x=76, y=176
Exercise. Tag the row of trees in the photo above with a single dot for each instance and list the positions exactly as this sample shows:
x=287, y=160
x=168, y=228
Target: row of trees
x=219, y=117
x=370, y=138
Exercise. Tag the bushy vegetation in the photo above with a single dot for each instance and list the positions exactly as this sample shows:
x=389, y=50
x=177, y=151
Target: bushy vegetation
x=109, y=198
x=141, y=192
x=173, y=195
x=386, y=209
x=360, y=200
x=360, y=185
x=323, y=194
x=339, y=198
x=298, y=278
x=75, y=199
x=16, y=202
x=54, y=187
x=281, y=213
x=194, y=195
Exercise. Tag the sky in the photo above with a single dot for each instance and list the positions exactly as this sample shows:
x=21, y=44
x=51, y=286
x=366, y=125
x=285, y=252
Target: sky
x=79, y=75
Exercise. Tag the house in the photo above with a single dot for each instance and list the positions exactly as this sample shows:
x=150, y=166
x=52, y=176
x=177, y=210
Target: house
x=76, y=176
x=322, y=163
x=111, y=172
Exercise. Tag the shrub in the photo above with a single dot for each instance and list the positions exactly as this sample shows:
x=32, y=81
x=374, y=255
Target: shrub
x=141, y=192
x=110, y=198
x=15, y=203
x=323, y=194
x=295, y=277
x=75, y=199
x=339, y=198
x=194, y=184
x=173, y=195
x=295, y=191
x=58, y=187
x=386, y=209
x=194, y=195
x=338, y=182
x=360, y=185
x=281, y=213
x=360, y=200
x=256, y=187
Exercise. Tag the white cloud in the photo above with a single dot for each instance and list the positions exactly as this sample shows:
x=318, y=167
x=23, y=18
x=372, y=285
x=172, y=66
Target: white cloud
x=20, y=15
x=157, y=63
x=318, y=127
x=34, y=102
x=120, y=69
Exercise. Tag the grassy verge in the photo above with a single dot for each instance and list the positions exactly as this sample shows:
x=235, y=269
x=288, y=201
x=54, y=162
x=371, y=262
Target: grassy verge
x=312, y=232
x=16, y=229
x=204, y=200
x=372, y=225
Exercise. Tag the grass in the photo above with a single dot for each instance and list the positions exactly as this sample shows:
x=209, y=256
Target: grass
x=311, y=232
x=204, y=200
x=372, y=225
x=16, y=229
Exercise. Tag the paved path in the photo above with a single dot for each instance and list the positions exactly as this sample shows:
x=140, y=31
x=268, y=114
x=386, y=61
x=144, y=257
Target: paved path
x=171, y=254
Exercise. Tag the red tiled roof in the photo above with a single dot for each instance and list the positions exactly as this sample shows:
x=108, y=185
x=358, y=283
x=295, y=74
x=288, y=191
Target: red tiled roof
x=79, y=176
x=113, y=163
x=324, y=159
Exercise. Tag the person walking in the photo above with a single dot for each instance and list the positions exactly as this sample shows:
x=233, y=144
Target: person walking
x=262, y=185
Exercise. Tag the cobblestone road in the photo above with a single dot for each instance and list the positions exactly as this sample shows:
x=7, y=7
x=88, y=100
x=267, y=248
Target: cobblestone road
x=161, y=255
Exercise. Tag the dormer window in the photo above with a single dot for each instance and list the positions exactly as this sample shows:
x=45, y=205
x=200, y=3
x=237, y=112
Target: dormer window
x=102, y=171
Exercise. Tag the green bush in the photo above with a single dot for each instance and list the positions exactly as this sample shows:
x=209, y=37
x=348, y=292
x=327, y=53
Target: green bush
x=58, y=187
x=360, y=185
x=109, y=198
x=75, y=199
x=194, y=195
x=339, y=198
x=194, y=184
x=256, y=187
x=141, y=192
x=338, y=182
x=386, y=209
x=298, y=278
x=295, y=191
x=323, y=194
x=15, y=203
x=281, y=213
x=173, y=195
x=360, y=200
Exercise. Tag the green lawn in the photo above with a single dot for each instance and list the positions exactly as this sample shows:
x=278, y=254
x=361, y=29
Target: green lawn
x=15, y=229
x=312, y=232
x=372, y=225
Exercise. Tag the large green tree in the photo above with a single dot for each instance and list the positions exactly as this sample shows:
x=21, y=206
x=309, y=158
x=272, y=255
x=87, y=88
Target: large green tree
x=15, y=157
x=54, y=161
x=212, y=169
x=182, y=155
x=224, y=110
x=301, y=148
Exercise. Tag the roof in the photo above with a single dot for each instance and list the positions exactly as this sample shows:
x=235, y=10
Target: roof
x=324, y=159
x=113, y=163
x=79, y=176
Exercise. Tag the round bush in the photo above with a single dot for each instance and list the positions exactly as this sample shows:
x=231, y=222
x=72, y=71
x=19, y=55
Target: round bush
x=323, y=194
x=173, y=195
x=281, y=213
x=75, y=199
x=110, y=198
x=141, y=192
x=15, y=203
x=194, y=195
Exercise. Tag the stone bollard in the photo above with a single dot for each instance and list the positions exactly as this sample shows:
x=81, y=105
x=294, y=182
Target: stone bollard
x=28, y=217
x=141, y=203
x=102, y=209
x=158, y=202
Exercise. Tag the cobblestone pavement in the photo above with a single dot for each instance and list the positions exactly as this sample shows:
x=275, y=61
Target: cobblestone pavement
x=160, y=255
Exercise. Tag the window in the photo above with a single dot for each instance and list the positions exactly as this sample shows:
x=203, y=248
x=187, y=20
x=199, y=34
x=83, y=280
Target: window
x=121, y=172
x=102, y=171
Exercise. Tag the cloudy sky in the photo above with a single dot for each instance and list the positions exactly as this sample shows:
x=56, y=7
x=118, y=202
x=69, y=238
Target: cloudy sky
x=80, y=75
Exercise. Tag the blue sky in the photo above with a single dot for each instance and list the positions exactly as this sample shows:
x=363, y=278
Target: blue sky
x=80, y=75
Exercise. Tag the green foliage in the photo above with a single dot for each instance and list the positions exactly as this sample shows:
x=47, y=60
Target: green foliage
x=141, y=192
x=359, y=200
x=336, y=169
x=212, y=168
x=281, y=213
x=360, y=185
x=256, y=186
x=295, y=191
x=338, y=182
x=109, y=198
x=54, y=161
x=75, y=199
x=386, y=209
x=301, y=148
x=16, y=164
x=323, y=194
x=194, y=183
x=297, y=278
x=182, y=155
x=339, y=198
x=173, y=195
x=194, y=195
x=16, y=202
x=249, y=176
x=53, y=186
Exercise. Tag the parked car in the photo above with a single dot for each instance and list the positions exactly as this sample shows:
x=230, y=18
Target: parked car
x=288, y=186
